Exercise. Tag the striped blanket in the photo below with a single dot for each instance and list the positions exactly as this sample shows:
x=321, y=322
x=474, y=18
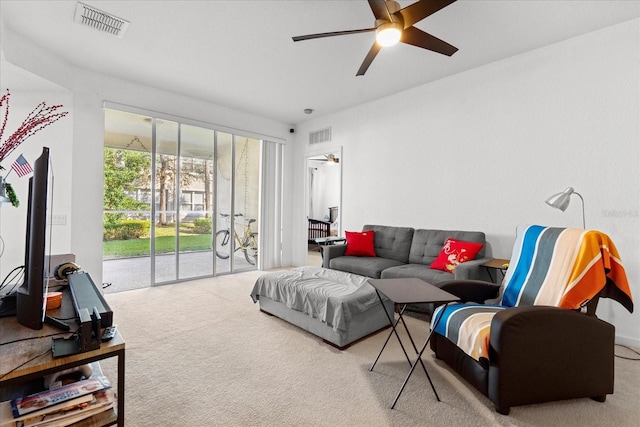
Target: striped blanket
x=562, y=267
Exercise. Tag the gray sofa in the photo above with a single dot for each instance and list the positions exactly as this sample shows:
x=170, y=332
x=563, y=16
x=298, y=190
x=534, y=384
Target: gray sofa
x=408, y=252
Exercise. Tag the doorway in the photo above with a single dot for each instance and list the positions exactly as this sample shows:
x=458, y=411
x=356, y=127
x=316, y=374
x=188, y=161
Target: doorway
x=324, y=195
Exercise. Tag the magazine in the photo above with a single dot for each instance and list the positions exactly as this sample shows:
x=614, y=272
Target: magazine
x=68, y=414
x=72, y=418
x=45, y=399
x=7, y=419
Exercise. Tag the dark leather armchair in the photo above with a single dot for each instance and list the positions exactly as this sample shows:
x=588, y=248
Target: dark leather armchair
x=537, y=353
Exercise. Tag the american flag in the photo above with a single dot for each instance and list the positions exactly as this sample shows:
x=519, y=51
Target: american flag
x=21, y=166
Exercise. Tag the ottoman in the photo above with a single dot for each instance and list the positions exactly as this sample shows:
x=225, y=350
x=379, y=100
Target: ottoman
x=339, y=307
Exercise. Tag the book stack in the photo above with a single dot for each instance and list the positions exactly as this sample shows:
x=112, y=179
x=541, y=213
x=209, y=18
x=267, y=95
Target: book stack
x=60, y=406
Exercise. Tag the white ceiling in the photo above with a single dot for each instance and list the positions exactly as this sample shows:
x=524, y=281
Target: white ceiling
x=240, y=54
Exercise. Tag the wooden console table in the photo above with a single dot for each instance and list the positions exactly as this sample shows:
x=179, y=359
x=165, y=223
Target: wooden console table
x=26, y=356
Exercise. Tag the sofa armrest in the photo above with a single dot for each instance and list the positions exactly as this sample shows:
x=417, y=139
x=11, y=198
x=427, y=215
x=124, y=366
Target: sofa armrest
x=543, y=353
x=472, y=270
x=477, y=291
x=332, y=251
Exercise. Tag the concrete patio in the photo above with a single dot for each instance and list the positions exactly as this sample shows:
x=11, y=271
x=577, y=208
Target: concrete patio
x=125, y=274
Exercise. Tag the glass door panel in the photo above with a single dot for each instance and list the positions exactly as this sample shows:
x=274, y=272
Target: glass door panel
x=195, y=256
x=127, y=201
x=246, y=185
x=225, y=243
x=164, y=229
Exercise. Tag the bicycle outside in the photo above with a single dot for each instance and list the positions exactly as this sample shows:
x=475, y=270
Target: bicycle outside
x=248, y=243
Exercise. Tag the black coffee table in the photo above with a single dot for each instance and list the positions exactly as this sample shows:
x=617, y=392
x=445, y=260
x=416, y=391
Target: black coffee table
x=409, y=291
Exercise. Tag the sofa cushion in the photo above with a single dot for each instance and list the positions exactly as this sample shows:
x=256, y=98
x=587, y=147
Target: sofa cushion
x=364, y=266
x=455, y=252
x=360, y=243
x=420, y=271
x=392, y=242
x=426, y=244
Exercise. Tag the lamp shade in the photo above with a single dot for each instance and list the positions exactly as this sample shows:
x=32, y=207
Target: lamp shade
x=561, y=201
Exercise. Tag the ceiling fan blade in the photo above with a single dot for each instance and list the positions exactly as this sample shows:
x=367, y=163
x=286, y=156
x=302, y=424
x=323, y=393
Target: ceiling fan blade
x=379, y=9
x=369, y=59
x=331, y=34
x=418, y=11
x=419, y=38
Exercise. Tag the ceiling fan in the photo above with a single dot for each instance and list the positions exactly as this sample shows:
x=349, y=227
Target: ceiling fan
x=393, y=25
x=331, y=158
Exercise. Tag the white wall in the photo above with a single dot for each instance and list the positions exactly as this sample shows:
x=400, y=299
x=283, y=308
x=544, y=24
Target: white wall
x=57, y=138
x=84, y=143
x=483, y=149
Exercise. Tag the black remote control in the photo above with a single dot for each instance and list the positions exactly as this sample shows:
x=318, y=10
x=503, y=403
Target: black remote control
x=109, y=333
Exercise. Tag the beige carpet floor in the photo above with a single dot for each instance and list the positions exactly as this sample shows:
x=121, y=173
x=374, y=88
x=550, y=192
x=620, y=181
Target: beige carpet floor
x=201, y=353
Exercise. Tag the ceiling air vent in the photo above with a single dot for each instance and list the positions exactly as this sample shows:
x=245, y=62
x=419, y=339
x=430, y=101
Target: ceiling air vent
x=99, y=20
x=323, y=135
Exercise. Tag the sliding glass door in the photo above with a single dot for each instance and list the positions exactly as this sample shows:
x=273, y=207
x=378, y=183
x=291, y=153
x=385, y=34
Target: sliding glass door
x=196, y=207
x=237, y=222
x=193, y=199
x=128, y=200
x=165, y=226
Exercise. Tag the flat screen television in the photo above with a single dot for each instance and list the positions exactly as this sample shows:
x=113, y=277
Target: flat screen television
x=30, y=303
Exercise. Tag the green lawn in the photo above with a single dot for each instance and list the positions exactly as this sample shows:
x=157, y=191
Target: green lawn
x=164, y=244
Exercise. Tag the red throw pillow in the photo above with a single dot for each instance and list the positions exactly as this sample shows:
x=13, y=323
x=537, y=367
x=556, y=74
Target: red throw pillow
x=455, y=252
x=360, y=243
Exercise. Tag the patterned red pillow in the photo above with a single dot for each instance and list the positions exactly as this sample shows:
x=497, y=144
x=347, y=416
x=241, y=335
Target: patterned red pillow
x=455, y=252
x=360, y=243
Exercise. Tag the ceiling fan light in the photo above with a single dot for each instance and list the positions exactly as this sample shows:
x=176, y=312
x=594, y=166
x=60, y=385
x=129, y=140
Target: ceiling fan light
x=388, y=33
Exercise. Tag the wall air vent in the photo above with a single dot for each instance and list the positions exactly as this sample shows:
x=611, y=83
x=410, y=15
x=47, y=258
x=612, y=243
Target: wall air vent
x=100, y=20
x=323, y=135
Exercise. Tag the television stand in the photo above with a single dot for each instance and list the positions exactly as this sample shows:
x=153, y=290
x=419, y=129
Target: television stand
x=29, y=357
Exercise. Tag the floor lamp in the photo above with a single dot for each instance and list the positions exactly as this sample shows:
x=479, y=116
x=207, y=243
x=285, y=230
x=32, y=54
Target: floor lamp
x=561, y=201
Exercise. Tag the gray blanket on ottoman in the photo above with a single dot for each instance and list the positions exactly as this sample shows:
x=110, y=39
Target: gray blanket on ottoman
x=339, y=307
x=333, y=297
